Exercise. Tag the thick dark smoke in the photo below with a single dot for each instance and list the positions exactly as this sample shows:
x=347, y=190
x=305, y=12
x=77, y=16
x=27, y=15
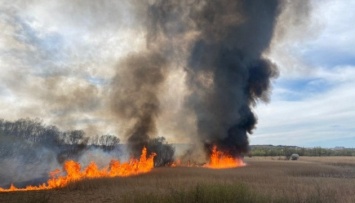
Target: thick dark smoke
x=214, y=47
x=226, y=70
x=228, y=53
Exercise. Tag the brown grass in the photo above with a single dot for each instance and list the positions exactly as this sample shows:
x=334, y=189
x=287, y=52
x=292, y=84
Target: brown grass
x=310, y=179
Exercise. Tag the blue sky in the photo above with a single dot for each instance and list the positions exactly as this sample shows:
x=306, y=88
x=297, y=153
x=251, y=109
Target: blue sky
x=49, y=51
x=313, y=102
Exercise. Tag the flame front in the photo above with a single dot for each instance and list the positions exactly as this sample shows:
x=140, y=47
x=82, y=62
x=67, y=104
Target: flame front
x=74, y=172
x=220, y=160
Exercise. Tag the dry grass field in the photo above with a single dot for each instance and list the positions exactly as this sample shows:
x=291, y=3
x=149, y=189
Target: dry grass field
x=264, y=179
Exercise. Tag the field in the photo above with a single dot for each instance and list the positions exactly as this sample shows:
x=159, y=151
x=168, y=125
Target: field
x=264, y=179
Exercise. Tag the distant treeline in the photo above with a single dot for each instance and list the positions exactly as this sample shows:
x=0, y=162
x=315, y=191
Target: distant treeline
x=67, y=144
x=270, y=150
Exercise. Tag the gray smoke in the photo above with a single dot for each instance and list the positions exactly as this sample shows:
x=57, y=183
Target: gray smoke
x=29, y=150
x=226, y=70
x=135, y=95
x=187, y=70
x=139, y=80
x=215, y=48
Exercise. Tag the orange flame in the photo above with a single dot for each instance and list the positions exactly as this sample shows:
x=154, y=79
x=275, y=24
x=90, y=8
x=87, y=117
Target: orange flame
x=220, y=160
x=74, y=172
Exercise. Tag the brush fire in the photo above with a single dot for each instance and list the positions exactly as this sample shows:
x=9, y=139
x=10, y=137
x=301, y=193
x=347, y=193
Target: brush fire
x=74, y=172
x=195, y=75
x=220, y=160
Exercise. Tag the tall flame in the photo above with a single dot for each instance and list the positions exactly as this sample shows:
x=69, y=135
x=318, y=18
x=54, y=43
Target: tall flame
x=220, y=160
x=74, y=172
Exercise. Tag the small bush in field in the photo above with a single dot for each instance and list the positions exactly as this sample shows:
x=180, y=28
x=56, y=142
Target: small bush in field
x=294, y=157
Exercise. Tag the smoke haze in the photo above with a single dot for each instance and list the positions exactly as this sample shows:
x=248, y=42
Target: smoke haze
x=226, y=72
x=188, y=70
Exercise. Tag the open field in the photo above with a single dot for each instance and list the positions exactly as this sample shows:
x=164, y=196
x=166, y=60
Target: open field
x=265, y=179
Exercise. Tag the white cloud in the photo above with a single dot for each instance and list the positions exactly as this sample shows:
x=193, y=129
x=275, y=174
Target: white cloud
x=41, y=38
x=324, y=116
x=338, y=19
x=54, y=52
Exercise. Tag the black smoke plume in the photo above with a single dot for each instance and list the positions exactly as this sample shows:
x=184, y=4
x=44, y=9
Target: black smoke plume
x=226, y=71
x=218, y=45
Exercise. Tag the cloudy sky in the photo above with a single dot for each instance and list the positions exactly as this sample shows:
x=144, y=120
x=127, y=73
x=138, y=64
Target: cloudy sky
x=313, y=100
x=56, y=62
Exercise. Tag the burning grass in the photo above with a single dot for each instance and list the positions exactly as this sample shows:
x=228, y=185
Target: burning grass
x=73, y=172
x=217, y=160
x=262, y=180
x=221, y=160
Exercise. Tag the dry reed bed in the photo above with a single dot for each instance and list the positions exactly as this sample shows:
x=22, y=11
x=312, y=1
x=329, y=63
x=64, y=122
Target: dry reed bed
x=306, y=180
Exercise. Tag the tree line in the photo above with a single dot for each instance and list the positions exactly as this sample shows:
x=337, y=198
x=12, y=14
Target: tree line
x=70, y=144
x=287, y=151
x=33, y=130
